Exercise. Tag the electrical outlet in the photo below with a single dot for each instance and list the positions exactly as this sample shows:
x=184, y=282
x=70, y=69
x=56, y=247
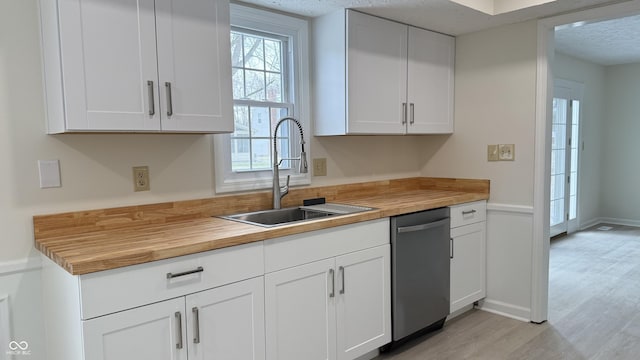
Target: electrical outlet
x=141, y=178
x=507, y=152
x=492, y=153
x=320, y=167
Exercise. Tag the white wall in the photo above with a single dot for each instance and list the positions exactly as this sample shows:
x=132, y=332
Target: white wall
x=593, y=114
x=621, y=175
x=495, y=104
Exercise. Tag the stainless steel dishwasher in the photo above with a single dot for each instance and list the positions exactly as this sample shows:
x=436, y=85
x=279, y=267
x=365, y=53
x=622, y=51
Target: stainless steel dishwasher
x=420, y=249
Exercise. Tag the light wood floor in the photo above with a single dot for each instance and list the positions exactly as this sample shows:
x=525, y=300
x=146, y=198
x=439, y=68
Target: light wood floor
x=594, y=309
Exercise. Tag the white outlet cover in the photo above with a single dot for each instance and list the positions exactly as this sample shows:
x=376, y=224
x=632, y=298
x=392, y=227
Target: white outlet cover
x=49, y=174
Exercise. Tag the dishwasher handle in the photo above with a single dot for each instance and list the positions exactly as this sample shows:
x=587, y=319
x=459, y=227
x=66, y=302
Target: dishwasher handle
x=406, y=229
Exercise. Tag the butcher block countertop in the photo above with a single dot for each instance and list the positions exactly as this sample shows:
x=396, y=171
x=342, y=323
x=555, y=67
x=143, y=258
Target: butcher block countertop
x=88, y=241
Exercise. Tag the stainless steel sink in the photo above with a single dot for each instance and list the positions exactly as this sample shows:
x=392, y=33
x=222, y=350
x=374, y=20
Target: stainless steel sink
x=276, y=217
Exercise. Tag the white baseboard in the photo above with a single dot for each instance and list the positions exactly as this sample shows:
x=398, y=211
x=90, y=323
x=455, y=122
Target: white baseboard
x=590, y=223
x=617, y=221
x=17, y=266
x=508, y=310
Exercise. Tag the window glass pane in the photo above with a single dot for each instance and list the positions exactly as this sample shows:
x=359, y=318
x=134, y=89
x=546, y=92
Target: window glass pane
x=557, y=162
x=284, y=152
x=558, y=136
x=559, y=111
x=236, y=50
x=557, y=212
x=557, y=184
x=272, y=55
x=260, y=154
x=260, y=126
x=240, y=155
x=238, y=83
x=274, y=87
x=573, y=207
x=253, y=52
x=241, y=119
x=574, y=160
x=254, y=82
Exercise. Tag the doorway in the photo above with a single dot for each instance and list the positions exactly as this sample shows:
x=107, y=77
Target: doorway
x=544, y=98
x=565, y=156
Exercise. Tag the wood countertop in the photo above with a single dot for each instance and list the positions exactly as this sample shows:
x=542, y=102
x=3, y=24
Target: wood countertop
x=89, y=241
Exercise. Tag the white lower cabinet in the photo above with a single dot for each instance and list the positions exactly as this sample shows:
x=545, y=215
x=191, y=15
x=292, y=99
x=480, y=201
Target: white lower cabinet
x=147, y=332
x=221, y=323
x=468, y=254
x=336, y=308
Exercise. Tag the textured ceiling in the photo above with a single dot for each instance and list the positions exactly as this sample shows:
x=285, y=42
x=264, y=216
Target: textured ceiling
x=439, y=15
x=611, y=42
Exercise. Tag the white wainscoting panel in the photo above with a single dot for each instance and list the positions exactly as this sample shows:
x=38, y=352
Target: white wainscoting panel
x=509, y=260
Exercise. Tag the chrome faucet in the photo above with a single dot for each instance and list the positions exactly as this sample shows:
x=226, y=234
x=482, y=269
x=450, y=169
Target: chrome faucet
x=278, y=191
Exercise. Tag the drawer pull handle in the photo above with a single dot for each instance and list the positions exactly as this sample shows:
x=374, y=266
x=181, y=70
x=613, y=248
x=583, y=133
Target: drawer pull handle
x=451, y=256
x=333, y=283
x=469, y=212
x=196, y=325
x=152, y=106
x=195, y=271
x=341, y=269
x=178, y=315
x=167, y=85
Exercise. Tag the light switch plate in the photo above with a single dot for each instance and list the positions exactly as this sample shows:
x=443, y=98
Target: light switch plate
x=507, y=152
x=49, y=173
x=492, y=153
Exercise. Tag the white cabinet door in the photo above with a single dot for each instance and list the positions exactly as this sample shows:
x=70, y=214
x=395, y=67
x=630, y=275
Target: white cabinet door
x=155, y=331
x=377, y=75
x=430, y=82
x=108, y=56
x=227, y=322
x=363, y=301
x=194, y=65
x=468, y=265
x=300, y=312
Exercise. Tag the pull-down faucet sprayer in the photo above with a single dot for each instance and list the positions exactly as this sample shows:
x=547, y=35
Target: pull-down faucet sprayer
x=278, y=191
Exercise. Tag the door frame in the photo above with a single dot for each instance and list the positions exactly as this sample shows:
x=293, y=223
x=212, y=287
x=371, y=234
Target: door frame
x=542, y=152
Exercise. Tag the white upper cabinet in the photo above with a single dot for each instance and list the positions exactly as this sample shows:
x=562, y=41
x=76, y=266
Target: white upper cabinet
x=430, y=82
x=376, y=76
x=375, y=97
x=145, y=66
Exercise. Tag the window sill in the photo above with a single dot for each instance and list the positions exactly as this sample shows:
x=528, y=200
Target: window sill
x=261, y=183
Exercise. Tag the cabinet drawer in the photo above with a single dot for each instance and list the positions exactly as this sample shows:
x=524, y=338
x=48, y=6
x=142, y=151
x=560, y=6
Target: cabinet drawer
x=469, y=213
x=293, y=250
x=124, y=288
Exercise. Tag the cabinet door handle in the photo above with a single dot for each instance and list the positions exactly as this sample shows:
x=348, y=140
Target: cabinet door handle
x=341, y=269
x=152, y=101
x=451, y=256
x=404, y=113
x=167, y=85
x=413, y=113
x=199, y=269
x=196, y=325
x=333, y=283
x=469, y=212
x=178, y=315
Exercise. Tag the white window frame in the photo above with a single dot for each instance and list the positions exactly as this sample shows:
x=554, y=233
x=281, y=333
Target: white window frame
x=297, y=31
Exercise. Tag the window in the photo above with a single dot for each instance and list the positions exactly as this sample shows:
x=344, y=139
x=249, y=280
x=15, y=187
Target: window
x=270, y=80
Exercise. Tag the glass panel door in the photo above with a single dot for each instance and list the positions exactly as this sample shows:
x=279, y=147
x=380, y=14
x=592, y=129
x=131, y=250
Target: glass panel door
x=558, y=168
x=565, y=135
